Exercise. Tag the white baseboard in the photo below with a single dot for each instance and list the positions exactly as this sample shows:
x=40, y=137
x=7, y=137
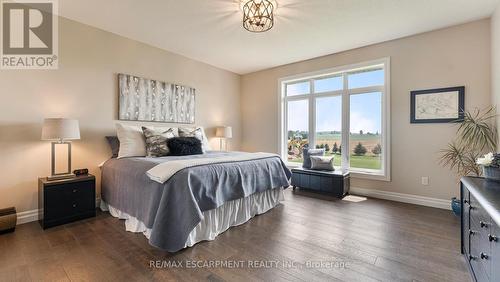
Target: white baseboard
x=400, y=197
x=32, y=215
x=27, y=216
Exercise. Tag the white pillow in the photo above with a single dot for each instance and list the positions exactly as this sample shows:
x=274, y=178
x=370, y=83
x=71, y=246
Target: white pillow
x=132, y=141
x=322, y=163
x=197, y=132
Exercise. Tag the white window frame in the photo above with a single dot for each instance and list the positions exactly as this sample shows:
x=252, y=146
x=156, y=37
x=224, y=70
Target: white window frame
x=385, y=173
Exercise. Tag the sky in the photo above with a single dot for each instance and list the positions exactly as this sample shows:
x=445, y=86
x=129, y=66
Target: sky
x=365, y=110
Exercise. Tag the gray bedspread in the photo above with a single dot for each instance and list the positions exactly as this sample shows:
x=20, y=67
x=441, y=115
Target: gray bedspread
x=173, y=209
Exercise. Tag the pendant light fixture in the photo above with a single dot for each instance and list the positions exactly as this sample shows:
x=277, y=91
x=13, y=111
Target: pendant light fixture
x=258, y=15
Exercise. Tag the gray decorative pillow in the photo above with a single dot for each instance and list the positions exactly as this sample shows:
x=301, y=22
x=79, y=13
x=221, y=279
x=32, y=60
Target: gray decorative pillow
x=114, y=144
x=156, y=141
x=322, y=163
x=195, y=132
x=307, y=153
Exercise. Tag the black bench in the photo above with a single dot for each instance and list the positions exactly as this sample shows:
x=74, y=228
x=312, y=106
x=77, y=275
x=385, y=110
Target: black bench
x=335, y=183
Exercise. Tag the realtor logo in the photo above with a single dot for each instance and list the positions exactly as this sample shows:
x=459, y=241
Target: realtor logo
x=29, y=35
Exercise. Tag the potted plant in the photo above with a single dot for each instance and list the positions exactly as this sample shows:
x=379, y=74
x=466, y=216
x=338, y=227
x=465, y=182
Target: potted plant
x=476, y=135
x=491, y=166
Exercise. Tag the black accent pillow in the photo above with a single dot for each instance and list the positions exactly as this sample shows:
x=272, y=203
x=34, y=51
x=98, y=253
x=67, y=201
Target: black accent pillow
x=184, y=146
x=114, y=144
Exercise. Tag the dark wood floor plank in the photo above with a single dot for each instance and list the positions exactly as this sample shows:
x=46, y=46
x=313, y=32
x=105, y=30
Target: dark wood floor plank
x=377, y=240
x=16, y=273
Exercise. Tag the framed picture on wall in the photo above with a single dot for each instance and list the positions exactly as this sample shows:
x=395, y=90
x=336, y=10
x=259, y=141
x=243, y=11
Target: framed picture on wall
x=437, y=105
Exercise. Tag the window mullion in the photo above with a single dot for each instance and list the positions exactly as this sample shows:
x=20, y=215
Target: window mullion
x=312, y=115
x=345, y=124
x=366, y=90
x=285, y=125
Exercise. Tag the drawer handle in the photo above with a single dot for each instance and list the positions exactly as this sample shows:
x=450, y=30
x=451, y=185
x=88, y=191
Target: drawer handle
x=75, y=190
x=492, y=238
x=74, y=205
x=484, y=256
x=483, y=224
x=471, y=257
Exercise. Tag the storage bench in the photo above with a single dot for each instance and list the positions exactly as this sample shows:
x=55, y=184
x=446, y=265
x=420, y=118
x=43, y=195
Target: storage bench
x=335, y=183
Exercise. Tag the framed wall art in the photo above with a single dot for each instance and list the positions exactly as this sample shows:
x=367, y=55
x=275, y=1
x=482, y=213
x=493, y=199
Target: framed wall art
x=437, y=105
x=143, y=99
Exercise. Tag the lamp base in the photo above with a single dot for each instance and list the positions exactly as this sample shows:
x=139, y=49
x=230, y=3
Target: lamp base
x=61, y=176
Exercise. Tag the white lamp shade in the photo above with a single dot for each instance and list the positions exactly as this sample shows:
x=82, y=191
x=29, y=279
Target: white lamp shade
x=224, y=132
x=60, y=129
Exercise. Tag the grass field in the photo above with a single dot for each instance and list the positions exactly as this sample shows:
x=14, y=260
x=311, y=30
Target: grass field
x=369, y=141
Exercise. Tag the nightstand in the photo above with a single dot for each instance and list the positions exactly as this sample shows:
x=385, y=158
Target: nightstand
x=66, y=200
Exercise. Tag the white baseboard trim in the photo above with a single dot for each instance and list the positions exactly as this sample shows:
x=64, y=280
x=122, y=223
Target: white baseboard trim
x=27, y=216
x=400, y=197
x=32, y=215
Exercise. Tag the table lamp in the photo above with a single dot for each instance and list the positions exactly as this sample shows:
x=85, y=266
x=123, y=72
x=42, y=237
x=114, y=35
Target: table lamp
x=224, y=132
x=60, y=131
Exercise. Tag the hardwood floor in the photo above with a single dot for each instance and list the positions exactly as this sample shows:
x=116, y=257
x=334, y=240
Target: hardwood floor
x=372, y=240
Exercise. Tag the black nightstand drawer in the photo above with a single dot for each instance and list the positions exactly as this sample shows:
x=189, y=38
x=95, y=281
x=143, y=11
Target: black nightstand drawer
x=67, y=200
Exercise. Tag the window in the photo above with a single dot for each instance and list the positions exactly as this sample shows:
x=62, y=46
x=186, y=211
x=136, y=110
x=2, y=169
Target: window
x=366, y=125
x=343, y=110
x=294, y=89
x=329, y=126
x=328, y=84
x=298, y=129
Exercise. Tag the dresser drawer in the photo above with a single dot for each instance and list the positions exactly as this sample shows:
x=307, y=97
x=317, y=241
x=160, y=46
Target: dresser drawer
x=478, y=216
x=466, y=225
x=480, y=250
x=495, y=252
x=479, y=255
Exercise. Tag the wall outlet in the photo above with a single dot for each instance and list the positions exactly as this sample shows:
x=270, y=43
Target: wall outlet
x=425, y=180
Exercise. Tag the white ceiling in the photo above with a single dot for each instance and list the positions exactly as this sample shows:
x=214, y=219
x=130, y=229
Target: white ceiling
x=211, y=30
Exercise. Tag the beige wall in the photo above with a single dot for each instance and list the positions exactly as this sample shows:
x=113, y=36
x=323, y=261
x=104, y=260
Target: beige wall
x=455, y=56
x=85, y=87
x=495, y=62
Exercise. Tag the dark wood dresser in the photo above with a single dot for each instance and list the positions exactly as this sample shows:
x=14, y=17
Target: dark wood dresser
x=480, y=227
x=336, y=183
x=66, y=200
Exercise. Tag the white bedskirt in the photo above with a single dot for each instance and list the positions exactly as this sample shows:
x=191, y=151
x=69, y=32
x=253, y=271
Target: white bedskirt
x=216, y=221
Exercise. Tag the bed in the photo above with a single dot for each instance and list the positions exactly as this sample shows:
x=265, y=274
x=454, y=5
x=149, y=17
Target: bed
x=204, y=196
